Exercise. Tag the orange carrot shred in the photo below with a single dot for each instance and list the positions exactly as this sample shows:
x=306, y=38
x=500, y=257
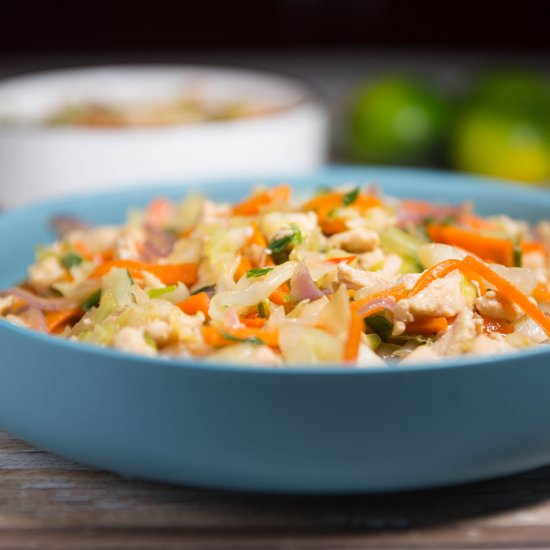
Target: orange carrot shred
x=427, y=326
x=500, y=251
x=351, y=348
x=253, y=205
x=242, y=268
x=510, y=291
x=195, y=303
x=442, y=269
x=56, y=321
x=169, y=274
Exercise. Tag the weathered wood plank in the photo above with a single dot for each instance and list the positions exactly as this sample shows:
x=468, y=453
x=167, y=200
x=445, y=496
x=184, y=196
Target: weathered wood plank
x=48, y=502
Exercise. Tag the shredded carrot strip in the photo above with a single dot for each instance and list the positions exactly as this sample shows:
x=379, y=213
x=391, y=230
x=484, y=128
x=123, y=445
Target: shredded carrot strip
x=427, y=326
x=347, y=259
x=326, y=203
x=242, y=268
x=169, y=274
x=83, y=250
x=500, y=251
x=252, y=205
x=56, y=321
x=253, y=320
x=195, y=303
x=351, y=348
x=257, y=237
x=214, y=337
x=476, y=222
x=397, y=292
x=442, y=269
x=541, y=294
x=280, y=296
x=510, y=291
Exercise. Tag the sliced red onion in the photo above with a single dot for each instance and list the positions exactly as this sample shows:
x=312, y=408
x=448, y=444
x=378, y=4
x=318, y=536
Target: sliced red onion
x=63, y=224
x=387, y=302
x=435, y=211
x=44, y=304
x=302, y=285
x=158, y=243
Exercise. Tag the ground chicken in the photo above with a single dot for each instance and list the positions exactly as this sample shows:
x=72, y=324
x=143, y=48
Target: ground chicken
x=159, y=331
x=490, y=344
x=45, y=273
x=490, y=306
x=247, y=353
x=355, y=240
x=132, y=340
x=356, y=278
x=401, y=316
x=213, y=213
x=367, y=358
x=422, y=354
x=279, y=223
x=442, y=298
x=459, y=337
x=129, y=245
x=368, y=260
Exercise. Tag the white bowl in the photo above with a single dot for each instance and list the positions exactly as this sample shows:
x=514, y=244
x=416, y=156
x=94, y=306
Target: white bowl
x=39, y=161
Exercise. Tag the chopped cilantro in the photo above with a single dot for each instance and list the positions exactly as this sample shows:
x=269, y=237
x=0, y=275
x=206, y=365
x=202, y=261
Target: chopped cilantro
x=71, y=259
x=279, y=248
x=258, y=272
x=351, y=197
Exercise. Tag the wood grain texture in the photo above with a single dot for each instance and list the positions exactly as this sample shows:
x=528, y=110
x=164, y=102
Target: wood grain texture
x=48, y=502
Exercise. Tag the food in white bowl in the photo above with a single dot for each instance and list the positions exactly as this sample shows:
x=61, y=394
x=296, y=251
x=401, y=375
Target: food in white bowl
x=126, y=125
x=348, y=277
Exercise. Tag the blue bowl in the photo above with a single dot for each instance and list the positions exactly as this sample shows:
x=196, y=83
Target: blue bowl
x=305, y=430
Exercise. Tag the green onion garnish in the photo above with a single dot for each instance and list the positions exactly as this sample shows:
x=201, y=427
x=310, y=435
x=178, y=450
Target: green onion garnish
x=71, y=259
x=258, y=272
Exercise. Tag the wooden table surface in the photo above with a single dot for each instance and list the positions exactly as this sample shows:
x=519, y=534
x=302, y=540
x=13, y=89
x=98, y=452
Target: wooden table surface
x=48, y=502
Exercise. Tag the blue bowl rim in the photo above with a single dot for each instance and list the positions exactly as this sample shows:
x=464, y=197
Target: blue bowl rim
x=329, y=369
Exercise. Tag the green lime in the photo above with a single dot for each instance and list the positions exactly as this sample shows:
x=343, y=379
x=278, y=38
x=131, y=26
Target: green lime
x=396, y=119
x=504, y=130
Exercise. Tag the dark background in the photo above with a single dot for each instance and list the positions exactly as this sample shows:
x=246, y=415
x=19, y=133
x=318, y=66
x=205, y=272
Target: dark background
x=156, y=26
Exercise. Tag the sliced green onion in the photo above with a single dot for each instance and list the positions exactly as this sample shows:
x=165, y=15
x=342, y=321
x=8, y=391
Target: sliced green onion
x=381, y=323
x=158, y=292
x=258, y=272
x=262, y=310
x=351, y=197
x=279, y=248
x=71, y=259
x=92, y=301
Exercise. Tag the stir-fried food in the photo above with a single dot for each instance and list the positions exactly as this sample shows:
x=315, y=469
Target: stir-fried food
x=183, y=110
x=346, y=277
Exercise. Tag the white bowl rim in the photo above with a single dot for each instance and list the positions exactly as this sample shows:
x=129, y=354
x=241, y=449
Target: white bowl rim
x=311, y=99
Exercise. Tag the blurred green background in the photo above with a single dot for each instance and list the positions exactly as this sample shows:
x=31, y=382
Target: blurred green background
x=499, y=125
